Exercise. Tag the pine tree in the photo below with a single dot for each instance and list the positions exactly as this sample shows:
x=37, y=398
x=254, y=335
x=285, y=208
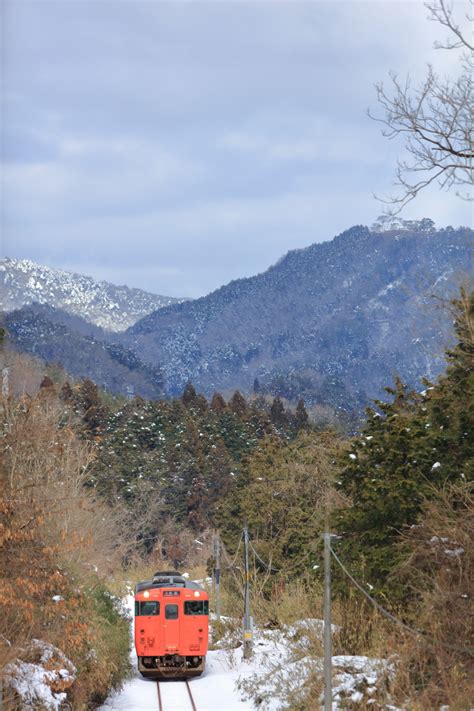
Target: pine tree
x=301, y=419
x=189, y=395
x=411, y=447
x=277, y=413
x=217, y=403
x=238, y=404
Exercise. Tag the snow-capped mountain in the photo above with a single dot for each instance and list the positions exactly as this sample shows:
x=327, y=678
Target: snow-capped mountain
x=114, y=308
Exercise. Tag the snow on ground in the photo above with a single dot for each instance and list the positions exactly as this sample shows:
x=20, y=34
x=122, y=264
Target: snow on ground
x=34, y=682
x=285, y=659
x=281, y=662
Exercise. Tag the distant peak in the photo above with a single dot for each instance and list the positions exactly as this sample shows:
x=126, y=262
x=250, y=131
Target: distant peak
x=112, y=307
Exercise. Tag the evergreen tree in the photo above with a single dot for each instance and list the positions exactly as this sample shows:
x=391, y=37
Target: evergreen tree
x=66, y=393
x=218, y=403
x=220, y=473
x=200, y=403
x=189, y=395
x=277, y=413
x=89, y=401
x=47, y=383
x=412, y=447
x=238, y=404
x=301, y=419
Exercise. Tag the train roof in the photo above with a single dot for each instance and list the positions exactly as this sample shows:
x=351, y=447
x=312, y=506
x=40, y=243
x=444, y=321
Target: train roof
x=167, y=579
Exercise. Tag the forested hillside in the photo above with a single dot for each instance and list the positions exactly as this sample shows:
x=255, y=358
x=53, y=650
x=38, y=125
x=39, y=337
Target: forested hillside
x=182, y=455
x=332, y=323
x=83, y=350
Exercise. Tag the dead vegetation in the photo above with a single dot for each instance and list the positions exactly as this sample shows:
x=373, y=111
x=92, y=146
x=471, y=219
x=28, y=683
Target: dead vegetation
x=58, y=543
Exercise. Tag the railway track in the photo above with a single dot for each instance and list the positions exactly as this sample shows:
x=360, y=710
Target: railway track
x=175, y=695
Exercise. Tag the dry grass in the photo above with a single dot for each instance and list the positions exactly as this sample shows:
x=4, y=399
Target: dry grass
x=58, y=542
x=439, y=668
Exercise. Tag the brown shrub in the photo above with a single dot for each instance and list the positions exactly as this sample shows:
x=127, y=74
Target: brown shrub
x=57, y=540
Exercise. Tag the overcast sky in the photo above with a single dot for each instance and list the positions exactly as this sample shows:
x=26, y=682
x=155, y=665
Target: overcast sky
x=175, y=146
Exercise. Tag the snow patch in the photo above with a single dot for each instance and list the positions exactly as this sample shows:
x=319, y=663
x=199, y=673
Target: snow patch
x=41, y=683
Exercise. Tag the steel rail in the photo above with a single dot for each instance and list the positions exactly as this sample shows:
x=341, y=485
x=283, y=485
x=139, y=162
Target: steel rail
x=191, y=699
x=190, y=695
x=160, y=703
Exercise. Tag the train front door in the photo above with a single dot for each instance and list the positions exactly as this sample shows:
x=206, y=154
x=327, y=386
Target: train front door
x=171, y=628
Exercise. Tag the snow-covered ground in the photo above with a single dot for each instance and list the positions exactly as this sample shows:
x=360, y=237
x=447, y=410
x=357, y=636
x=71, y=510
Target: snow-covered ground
x=40, y=683
x=280, y=663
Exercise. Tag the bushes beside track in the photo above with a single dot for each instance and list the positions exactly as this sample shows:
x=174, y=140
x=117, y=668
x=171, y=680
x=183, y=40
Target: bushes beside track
x=63, y=639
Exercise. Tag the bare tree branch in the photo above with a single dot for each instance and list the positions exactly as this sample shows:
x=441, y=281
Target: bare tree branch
x=435, y=119
x=442, y=11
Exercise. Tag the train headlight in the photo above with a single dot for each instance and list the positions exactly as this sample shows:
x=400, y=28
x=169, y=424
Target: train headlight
x=197, y=594
x=146, y=594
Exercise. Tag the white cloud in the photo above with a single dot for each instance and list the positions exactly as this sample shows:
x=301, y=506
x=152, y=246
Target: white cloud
x=91, y=174
x=303, y=138
x=190, y=143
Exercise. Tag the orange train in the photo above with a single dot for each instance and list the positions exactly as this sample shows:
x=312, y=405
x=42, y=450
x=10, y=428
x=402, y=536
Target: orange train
x=171, y=626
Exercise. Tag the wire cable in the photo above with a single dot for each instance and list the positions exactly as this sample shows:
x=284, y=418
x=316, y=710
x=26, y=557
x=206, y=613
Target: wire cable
x=230, y=564
x=265, y=565
x=236, y=552
x=392, y=618
x=287, y=569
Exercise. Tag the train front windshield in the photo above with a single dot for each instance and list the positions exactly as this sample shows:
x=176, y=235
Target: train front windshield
x=146, y=607
x=196, y=607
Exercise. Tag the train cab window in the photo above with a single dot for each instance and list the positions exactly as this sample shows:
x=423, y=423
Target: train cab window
x=147, y=607
x=196, y=607
x=171, y=612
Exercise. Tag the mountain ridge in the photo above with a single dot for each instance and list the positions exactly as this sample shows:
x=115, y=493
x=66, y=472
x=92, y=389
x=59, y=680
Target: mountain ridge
x=334, y=323
x=320, y=311
x=106, y=305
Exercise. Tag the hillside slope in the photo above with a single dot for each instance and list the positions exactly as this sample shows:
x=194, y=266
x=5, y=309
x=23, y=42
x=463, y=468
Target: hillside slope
x=333, y=322
x=41, y=331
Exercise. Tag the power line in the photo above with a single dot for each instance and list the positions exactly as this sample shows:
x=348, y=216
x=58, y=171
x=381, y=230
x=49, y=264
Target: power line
x=230, y=566
x=385, y=613
x=236, y=552
x=265, y=565
x=392, y=618
x=285, y=570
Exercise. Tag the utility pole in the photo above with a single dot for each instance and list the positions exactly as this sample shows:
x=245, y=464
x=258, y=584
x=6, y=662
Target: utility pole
x=247, y=618
x=5, y=384
x=327, y=624
x=217, y=575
